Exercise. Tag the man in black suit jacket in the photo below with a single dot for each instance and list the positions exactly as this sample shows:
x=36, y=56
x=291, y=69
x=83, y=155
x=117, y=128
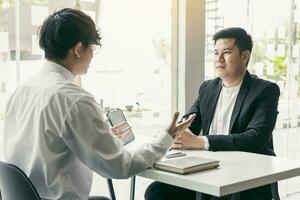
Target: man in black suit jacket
x=235, y=112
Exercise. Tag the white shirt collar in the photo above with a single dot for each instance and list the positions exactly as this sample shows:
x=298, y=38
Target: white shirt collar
x=232, y=89
x=54, y=67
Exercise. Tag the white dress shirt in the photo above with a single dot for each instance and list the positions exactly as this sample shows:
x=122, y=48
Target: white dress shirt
x=56, y=133
x=221, y=120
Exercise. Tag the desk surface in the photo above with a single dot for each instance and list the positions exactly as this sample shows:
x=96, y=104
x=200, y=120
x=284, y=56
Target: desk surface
x=238, y=171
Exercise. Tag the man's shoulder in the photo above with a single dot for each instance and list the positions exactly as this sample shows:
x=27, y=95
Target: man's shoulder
x=262, y=83
x=253, y=80
x=72, y=92
x=212, y=81
x=208, y=84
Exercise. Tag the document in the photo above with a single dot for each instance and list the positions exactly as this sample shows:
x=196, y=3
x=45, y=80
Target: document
x=186, y=164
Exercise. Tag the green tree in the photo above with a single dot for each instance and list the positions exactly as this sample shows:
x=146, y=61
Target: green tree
x=280, y=68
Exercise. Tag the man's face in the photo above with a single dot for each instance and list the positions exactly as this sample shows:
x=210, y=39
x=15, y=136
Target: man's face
x=229, y=64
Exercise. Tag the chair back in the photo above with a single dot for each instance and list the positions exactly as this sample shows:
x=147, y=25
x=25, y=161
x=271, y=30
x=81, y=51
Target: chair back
x=15, y=185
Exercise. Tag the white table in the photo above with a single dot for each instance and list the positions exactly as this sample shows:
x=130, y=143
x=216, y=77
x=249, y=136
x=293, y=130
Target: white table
x=238, y=171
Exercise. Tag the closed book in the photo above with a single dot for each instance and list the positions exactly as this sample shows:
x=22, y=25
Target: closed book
x=186, y=164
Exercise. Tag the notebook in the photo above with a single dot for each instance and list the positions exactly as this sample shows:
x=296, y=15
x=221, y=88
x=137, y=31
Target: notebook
x=186, y=164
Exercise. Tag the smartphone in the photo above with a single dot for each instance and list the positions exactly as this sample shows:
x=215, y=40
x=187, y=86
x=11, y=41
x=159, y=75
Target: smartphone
x=116, y=116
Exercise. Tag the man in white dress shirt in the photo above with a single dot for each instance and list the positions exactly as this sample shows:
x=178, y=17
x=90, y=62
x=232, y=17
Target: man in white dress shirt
x=54, y=130
x=236, y=111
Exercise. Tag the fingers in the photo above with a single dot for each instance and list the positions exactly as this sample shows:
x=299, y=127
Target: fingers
x=119, y=135
x=178, y=140
x=191, y=118
x=121, y=129
x=176, y=146
x=175, y=117
x=125, y=133
x=114, y=128
x=174, y=128
x=127, y=129
x=122, y=133
x=185, y=124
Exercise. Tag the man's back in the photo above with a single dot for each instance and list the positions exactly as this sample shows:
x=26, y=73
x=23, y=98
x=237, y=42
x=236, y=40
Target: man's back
x=34, y=126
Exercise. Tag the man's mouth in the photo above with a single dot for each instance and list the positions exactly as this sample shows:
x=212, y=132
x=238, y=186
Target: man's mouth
x=220, y=66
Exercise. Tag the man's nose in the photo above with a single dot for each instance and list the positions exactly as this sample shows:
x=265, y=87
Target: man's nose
x=220, y=57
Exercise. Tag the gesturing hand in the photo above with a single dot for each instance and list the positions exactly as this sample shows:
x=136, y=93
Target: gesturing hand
x=175, y=129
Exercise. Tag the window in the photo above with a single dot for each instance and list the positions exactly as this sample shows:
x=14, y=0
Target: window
x=8, y=73
x=132, y=70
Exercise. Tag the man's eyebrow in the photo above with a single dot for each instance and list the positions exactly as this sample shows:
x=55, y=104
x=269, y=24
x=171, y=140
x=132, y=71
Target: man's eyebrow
x=223, y=49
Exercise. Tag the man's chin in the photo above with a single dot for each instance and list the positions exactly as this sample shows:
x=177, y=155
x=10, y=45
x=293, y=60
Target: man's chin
x=221, y=74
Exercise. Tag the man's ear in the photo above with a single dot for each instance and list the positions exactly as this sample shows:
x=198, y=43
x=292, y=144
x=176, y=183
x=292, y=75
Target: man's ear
x=76, y=49
x=246, y=56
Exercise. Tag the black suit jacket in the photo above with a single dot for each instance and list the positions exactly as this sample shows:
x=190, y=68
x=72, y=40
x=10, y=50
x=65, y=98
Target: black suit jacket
x=253, y=118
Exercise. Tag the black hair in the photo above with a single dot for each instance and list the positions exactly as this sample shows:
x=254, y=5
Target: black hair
x=64, y=29
x=242, y=39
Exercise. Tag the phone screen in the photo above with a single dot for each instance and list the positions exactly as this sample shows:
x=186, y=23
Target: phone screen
x=115, y=117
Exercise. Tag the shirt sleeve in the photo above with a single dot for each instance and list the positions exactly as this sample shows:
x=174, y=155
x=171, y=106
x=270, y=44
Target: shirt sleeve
x=206, y=143
x=89, y=137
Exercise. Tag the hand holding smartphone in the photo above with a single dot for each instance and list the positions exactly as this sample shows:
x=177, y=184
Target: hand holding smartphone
x=118, y=121
x=121, y=129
